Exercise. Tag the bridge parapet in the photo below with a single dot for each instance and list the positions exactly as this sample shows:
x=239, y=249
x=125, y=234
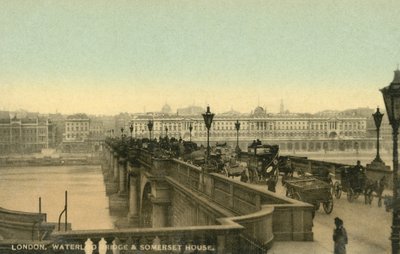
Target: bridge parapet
x=250, y=203
x=224, y=238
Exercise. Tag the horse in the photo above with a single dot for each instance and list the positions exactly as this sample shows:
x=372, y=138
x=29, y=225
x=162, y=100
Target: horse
x=374, y=186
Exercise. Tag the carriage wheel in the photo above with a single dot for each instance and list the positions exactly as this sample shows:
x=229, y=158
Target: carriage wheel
x=289, y=193
x=350, y=195
x=328, y=205
x=337, y=189
x=296, y=196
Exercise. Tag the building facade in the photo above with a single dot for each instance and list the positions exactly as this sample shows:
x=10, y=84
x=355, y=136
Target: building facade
x=291, y=131
x=25, y=133
x=77, y=128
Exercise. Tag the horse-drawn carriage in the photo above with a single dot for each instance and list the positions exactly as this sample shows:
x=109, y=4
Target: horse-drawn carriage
x=263, y=162
x=354, y=182
x=310, y=190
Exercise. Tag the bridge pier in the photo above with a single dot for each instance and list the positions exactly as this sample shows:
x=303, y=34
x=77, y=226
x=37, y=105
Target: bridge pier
x=110, y=161
x=133, y=214
x=116, y=167
x=118, y=201
x=111, y=184
x=123, y=173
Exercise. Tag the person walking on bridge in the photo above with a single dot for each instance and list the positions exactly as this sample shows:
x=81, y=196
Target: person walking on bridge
x=339, y=237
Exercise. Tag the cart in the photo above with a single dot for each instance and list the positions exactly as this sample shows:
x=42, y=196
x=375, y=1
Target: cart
x=311, y=190
x=354, y=183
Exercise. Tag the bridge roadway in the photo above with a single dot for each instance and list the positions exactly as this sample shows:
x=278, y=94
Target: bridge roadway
x=368, y=228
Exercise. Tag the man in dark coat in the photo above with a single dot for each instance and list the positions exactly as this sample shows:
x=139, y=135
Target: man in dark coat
x=339, y=237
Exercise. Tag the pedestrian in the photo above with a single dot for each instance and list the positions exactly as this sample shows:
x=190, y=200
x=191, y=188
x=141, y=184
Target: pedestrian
x=339, y=237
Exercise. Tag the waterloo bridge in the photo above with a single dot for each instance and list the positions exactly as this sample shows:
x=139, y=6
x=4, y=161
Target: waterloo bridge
x=169, y=203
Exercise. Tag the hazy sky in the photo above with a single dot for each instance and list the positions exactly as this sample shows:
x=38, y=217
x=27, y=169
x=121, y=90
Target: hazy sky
x=110, y=56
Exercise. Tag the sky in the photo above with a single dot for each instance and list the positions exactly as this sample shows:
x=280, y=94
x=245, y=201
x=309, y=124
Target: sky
x=106, y=57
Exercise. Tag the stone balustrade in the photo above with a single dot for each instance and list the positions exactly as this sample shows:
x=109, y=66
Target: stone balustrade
x=224, y=238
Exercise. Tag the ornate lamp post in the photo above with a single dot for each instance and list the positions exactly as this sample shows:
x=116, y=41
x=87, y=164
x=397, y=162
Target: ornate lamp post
x=378, y=120
x=237, y=127
x=391, y=97
x=190, y=132
x=131, y=130
x=208, y=118
x=150, y=125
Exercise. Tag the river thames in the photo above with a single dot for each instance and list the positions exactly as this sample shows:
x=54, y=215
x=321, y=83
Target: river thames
x=87, y=201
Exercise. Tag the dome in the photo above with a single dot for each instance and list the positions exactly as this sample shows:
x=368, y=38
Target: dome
x=166, y=109
x=259, y=111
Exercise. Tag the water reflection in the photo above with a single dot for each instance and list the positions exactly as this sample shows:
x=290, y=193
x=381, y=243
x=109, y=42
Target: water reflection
x=87, y=200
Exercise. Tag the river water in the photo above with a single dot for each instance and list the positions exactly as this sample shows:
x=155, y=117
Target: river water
x=20, y=189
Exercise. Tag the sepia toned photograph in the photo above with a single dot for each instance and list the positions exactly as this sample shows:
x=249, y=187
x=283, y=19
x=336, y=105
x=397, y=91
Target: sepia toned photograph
x=239, y=126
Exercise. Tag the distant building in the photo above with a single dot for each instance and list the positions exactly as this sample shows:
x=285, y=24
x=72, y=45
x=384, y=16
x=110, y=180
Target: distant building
x=25, y=132
x=96, y=131
x=122, y=120
x=58, y=121
x=77, y=128
x=291, y=131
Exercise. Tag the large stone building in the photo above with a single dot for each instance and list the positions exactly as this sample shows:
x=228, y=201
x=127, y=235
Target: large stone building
x=77, y=128
x=25, y=132
x=291, y=131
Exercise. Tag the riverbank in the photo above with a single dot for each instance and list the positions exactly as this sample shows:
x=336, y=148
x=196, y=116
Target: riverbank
x=58, y=160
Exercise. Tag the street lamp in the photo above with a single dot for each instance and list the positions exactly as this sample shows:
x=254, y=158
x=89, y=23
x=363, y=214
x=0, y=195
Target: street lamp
x=237, y=127
x=378, y=120
x=391, y=97
x=190, y=132
x=150, y=126
x=131, y=129
x=208, y=117
x=166, y=131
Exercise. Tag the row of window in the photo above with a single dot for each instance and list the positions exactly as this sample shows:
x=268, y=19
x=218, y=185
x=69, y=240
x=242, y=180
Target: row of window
x=77, y=128
x=77, y=124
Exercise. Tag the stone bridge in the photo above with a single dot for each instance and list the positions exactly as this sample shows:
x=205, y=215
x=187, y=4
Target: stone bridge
x=170, y=203
x=172, y=206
